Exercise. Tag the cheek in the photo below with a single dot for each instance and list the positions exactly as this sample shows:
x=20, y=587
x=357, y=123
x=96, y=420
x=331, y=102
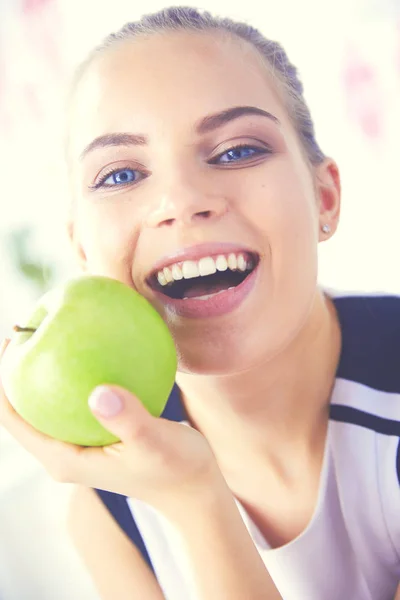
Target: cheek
x=108, y=241
x=287, y=212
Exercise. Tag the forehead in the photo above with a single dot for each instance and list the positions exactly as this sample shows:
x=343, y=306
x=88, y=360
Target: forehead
x=164, y=83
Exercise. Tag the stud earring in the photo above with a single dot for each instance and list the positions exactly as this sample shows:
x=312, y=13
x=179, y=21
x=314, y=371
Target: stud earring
x=326, y=228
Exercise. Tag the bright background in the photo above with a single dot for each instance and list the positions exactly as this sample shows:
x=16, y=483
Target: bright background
x=348, y=54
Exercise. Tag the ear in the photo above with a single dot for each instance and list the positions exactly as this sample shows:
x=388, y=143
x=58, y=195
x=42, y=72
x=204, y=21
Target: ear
x=328, y=191
x=76, y=246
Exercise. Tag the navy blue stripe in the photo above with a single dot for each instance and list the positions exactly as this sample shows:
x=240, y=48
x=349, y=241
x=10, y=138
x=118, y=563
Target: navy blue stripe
x=174, y=409
x=347, y=414
x=398, y=462
x=118, y=507
x=370, y=341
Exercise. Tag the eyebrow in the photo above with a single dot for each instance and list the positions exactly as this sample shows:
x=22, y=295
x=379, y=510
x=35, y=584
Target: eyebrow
x=114, y=139
x=205, y=125
x=212, y=122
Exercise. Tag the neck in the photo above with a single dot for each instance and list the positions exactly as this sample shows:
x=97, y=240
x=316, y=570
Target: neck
x=282, y=401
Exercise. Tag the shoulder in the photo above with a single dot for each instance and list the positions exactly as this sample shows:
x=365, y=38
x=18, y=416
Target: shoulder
x=370, y=326
x=379, y=312
x=365, y=410
x=367, y=389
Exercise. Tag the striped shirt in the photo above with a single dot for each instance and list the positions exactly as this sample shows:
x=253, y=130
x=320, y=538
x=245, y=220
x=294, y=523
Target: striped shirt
x=351, y=547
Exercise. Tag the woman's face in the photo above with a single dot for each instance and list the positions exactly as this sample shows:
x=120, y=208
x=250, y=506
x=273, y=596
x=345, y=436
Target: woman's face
x=173, y=181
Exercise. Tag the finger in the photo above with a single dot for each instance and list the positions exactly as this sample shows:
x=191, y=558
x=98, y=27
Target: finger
x=121, y=412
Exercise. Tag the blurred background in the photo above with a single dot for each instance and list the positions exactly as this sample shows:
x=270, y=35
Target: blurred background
x=348, y=54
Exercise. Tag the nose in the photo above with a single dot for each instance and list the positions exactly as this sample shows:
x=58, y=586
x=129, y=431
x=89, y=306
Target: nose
x=186, y=204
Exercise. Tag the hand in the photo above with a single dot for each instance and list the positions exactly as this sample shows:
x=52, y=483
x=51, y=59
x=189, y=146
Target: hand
x=160, y=462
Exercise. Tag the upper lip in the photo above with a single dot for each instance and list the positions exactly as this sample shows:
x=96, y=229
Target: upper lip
x=199, y=251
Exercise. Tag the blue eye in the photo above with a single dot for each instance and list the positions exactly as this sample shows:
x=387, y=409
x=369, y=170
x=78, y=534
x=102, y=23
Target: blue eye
x=238, y=153
x=120, y=177
x=117, y=177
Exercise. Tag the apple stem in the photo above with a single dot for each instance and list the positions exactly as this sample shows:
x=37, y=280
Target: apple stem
x=19, y=329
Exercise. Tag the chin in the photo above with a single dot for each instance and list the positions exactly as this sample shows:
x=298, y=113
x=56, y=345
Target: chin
x=241, y=344
x=211, y=368
x=223, y=355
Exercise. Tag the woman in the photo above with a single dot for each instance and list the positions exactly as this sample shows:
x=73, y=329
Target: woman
x=198, y=181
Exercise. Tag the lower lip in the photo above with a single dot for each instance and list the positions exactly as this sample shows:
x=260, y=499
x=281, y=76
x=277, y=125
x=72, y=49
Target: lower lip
x=216, y=306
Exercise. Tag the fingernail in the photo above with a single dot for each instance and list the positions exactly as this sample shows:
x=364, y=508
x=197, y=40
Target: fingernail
x=105, y=402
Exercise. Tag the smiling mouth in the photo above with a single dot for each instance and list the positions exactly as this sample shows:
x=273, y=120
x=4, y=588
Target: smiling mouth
x=203, y=278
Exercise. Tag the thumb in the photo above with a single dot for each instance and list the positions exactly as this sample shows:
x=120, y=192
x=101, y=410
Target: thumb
x=120, y=412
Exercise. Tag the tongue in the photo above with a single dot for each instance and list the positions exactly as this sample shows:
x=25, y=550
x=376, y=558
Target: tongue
x=202, y=289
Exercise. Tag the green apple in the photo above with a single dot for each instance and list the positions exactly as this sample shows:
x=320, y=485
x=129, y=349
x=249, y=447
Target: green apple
x=92, y=330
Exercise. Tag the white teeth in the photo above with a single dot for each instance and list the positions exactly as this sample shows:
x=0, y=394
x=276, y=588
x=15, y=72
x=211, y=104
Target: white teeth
x=232, y=262
x=177, y=272
x=207, y=266
x=241, y=262
x=221, y=263
x=190, y=269
x=161, y=278
x=168, y=275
